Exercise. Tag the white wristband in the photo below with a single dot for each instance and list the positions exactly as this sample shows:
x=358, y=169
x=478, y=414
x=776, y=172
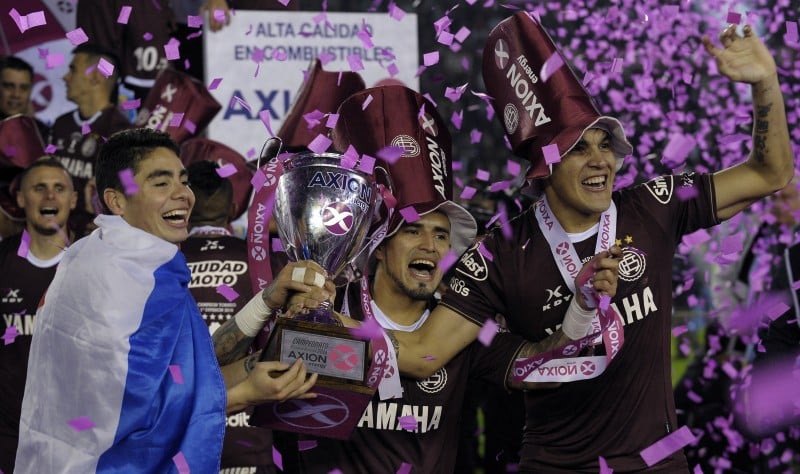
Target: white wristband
x=577, y=321
x=252, y=317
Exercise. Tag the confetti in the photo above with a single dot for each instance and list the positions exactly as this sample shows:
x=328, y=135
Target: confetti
x=77, y=36
x=54, y=60
x=124, y=14
x=194, y=21
x=355, y=63
x=180, y=463
x=369, y=329
x=320, y=144
x=105, y=68
x=177, y=375
x=408, y=422
x=214, y=83
x=171, y=49
x=10, y=335
x=367, y=164
x=488, y=332
x=551, y=154
x=467, y=193
x=429, y=59
x=482, y=175
x=405, y=468
x=306, y=444
x=395, y=12
x=81, y=424
x=277, y=458
x=227, y=170
x=128, y=182
x=553, y=64
x=131, y=104
x=227, y=292
x=264, y=115
x=667, y=445
x=409, y=214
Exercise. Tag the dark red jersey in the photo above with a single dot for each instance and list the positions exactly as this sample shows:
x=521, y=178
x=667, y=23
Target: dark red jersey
x=22, y=285
x=630, y=406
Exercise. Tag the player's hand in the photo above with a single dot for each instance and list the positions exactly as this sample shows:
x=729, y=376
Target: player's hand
x=305, y=277
x=212, y=6
x=742, y=58
x=603, y=269
x=271, y=381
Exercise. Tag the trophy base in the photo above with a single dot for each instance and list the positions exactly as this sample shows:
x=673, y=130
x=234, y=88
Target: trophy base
x=343, y=387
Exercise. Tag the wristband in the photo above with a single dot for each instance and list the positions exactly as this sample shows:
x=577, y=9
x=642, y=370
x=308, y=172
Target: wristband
x=577, y=321
x=250, y=320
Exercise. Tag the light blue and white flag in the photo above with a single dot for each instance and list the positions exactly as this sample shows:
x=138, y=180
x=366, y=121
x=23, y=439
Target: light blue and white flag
x=122, y=374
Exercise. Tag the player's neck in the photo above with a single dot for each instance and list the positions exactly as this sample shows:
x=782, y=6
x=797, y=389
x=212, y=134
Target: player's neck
x=395, y=304
x=45, y=247
x=91, y=106
x=572, y=220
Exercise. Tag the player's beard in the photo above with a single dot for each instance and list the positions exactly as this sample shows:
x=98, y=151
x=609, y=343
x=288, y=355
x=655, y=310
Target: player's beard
x=420, y=293
x=45, y=231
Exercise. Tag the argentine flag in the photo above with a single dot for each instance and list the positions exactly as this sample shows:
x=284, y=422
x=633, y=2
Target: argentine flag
x=122, y=374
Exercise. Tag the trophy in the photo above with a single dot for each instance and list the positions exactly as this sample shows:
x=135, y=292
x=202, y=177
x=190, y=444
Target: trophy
x=323, y=212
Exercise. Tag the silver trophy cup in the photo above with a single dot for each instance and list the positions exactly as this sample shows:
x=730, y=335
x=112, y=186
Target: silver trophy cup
x=323, y=212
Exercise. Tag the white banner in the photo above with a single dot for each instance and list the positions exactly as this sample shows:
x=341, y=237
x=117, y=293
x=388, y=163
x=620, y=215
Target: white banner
x=290, y=41
x=48, y=93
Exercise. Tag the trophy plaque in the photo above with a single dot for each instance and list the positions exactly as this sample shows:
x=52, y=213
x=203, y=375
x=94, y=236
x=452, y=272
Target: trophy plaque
x=323, y=212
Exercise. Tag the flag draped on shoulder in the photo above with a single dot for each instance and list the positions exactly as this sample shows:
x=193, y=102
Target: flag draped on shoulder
x=122, y=374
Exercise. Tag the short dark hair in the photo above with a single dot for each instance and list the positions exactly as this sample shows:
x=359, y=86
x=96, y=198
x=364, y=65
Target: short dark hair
x=18, y=64
x=125, y=150
x=213, y=193
x=46, y=161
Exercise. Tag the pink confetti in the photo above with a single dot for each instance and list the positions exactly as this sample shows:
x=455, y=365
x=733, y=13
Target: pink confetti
x=551, y=154
x=488, y=332
x=219, y=15
x=395, y=12
x=482, y=175
x=734, y=18
x=189, y=126
x=131, y=104
x=105, y=68
x=553, y=64
x=258, y=180
x=667, y=445
x=429, y=59
x=475, y=136
x=124, y=14
x=277, y=246
x=177, y=375
x=194, y=21
x=686, y=193
x=369, y=329
x=10, y=335
x=227, y=292
x=446, y=38
x=226, y=170
x=404, y=468
x=77, y=36
x=306, y=444
x=513, y=168
x=468, y=193
x=277, y=458
x=367, y=164
x=82, y=423
x=350, y=158
x=355, y=63
x=462, y=34
x=332, y=120
x=365, y=38
x=408, y=422
x=409, y=214
x=128, y=182
x=366, y=103
x=36, y=19
x=390, y=153
x=485, y=252
x=678, y=330
x=320, y=144
x=181, y=464
x=604, y=469
x=147, y=36
x=176, y=119
x=171, y=49
x=447, y=261
x=215, y=83
x=54, y=60
x=265, y=119
x=677, y=150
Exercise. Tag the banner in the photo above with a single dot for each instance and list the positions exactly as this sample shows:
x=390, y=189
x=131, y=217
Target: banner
x=261, y=57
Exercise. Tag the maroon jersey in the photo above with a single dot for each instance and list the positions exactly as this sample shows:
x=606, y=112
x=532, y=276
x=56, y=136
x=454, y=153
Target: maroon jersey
x=22, y=285
x=139, y=43
x=381, y=444
x=77, y=152
x=216, y=260
x=630, y=406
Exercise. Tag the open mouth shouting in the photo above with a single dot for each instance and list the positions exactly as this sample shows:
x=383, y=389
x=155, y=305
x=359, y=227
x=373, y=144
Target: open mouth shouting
x=422, y=269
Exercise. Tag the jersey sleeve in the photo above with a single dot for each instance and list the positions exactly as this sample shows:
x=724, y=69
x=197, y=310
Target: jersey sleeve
x=493, y=363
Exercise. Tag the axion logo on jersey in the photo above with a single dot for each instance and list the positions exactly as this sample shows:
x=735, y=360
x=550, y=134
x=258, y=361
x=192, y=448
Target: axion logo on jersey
x=323, y=412
x=211, y=245
x=661, y=188
x=435, y=383
x=474, y=264
x=428, y=124
x=258, y=253
x=510, y=118
x=588, y=367
x=501, y=54
x=555, y=298
x=562, y=248
x=410, y=146
x=12, y=296
x=632, y=265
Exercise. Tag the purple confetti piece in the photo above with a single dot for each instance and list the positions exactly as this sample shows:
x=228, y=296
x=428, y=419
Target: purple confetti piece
x=36, y=19
x=475, y=136
x=392, y=69
x=462, y=34
x=429, y=59
x=177, y=375
x=332, y=120
x=395, y=12
x=277, y=458
x=409, y=214
x=215, y=83
x=485, y=252
x=226, y=170
x=54, y=60
x=694, y=397
x=82, y=423
x=131, y=104
x=446, y=38
x=228, y=293
x=482, y=175
x=355, y=63
x=551, y=154
x=667, y=445
x=20, y=21
x=147, y=36
x=678, y=330
x=306, y=444
x=128, y=182
x=365, y=38
x=488, y=332
x=194, y=21
x=180, y=463
x=189, y=126
x=105, y=68
x=350, y=158
x=408, y=422
x=429, y=357
x=686, y=193
x=447, y=261
x=265, y=119
x=791, y=35
x=604, y=469
x=277, y=245
x=24, y=244
x=171, y=49
x=367, y=164
x=77, y=36
x=734, y=18
x=219, y=16
x=369, y=329
x=320, y=144
x=50, y=149
x=467, y=193
x=10, y=335
x=326, y=57
x=366, y=103
x=391, y=153
x=176, y=119
x=258, y=180
x=404, y=468
x=124, y=15
x=553, y=64
x=677, y=150
x=513, y=168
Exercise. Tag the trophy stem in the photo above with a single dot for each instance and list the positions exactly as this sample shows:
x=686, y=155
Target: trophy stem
x=321, y=315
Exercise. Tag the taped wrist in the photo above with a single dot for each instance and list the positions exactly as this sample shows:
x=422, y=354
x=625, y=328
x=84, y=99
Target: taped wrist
x=577, y=321
x=252, y=317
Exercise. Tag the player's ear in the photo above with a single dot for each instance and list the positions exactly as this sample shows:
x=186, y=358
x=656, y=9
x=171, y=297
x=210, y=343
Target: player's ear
x=380, y=252
x=115, y=200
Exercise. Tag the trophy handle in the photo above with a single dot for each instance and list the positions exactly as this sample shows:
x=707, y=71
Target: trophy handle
x=265, y=149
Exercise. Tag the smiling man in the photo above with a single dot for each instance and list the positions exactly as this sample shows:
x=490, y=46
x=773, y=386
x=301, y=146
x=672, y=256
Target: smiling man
x=47, y=197
x=122, y=374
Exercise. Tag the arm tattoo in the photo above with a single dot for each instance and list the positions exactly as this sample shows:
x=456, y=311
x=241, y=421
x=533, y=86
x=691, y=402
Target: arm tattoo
x=760, y=130
x=230, y=343
x=250, y=362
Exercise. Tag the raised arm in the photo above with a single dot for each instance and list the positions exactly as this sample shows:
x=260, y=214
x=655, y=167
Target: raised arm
x=233, y=339
x=770, y=165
